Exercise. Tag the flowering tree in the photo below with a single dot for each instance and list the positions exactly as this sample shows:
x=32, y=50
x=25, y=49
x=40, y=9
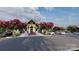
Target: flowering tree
x=46, y=25
x=12, y=24
x=43, y=25
x=50, y=24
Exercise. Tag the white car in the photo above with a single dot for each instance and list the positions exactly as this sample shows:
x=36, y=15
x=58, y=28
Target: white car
x=52, y=33
x=62, y=33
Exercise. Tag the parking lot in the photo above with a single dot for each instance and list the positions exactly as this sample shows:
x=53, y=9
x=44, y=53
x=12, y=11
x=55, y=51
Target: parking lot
x=63, y=42
x=40, y=43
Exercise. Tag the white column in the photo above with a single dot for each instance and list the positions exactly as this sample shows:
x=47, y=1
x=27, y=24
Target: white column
x=34, y=30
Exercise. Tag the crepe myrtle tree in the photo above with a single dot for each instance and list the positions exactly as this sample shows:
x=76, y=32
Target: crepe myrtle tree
x=2, y=25
x=46, y=25
x=12, y=24
x=50, y=26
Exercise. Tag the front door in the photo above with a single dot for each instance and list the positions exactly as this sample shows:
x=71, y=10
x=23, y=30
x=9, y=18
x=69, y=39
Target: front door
x=31, y=30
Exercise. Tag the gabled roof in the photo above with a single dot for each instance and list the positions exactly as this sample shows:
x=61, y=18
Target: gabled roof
x=31, y=21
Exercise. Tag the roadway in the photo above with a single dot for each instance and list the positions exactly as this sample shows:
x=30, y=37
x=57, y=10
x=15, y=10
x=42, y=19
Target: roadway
x=40, y=43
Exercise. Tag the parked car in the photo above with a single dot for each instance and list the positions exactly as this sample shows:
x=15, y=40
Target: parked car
x=1, y=32
x=76, y=33
x=52, y=33
x=6, y=33
x=62, y=33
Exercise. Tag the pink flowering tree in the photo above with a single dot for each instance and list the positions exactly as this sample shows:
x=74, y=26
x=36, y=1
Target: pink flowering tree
x=46, y=25
x=12, y=24
x=49, y=25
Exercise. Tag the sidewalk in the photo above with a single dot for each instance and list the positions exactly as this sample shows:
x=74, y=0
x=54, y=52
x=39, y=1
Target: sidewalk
x=24, y=34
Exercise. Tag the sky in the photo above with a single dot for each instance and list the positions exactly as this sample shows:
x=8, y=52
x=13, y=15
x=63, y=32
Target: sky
x=60, y=16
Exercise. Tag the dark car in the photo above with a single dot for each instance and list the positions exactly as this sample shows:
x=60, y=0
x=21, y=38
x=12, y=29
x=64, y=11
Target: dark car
x=8, y=33
x=5, y=34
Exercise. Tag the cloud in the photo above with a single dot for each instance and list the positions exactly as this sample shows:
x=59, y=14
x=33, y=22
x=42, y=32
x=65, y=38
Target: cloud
x=34, y=8
x=49, y=8
x=67, y=20
x=23, y=13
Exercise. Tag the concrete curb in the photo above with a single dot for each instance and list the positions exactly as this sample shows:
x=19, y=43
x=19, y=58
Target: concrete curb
x=73, y=49
x=26, y=36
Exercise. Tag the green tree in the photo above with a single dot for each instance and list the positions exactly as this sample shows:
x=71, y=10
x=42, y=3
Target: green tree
x=72, y=28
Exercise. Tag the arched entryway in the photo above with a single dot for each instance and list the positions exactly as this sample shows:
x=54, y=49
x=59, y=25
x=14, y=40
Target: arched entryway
x=31, y=27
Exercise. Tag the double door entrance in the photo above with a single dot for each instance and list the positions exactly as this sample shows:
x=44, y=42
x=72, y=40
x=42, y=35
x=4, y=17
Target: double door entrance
x=31, y=29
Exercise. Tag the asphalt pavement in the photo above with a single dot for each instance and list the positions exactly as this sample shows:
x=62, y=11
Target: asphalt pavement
x=40, y=43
